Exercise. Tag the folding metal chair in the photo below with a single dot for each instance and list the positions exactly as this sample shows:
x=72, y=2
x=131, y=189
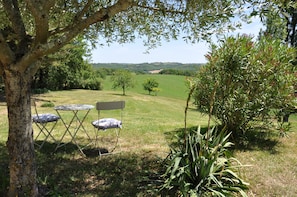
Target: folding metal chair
x=42, y=121
x=109, y=140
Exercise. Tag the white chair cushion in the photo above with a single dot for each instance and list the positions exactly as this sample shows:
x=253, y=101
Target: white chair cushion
x=107, y=123
x=44, y=118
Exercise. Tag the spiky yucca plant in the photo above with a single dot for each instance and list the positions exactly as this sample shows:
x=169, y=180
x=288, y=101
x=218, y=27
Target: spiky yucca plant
x=201, y=165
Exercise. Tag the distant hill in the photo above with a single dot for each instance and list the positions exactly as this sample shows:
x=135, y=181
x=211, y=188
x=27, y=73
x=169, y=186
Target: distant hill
x=146, y=67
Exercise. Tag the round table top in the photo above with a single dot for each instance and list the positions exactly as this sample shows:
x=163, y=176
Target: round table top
x=72, y=107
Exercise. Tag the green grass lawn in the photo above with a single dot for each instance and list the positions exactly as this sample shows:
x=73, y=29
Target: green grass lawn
x=143, y=145
x=172, y=86
x=148, y=121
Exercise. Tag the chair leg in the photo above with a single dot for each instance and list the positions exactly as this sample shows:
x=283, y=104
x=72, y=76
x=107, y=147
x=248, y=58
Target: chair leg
x=46, y=132
x=113, y=144
x=117, y=133
x=96, y=140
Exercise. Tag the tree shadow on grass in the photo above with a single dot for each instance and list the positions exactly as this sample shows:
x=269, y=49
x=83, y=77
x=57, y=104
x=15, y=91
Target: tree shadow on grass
x=124, y=174
x=68, y=173
x=257, y=139
x=51, y=148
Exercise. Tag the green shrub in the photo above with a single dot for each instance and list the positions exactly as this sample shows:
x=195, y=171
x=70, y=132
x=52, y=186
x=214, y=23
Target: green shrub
x=123, y=79
x=244, y=80
x=92, y=84
x=150, y=85
x=47, y=104
x=201, y=165
x=40, y=91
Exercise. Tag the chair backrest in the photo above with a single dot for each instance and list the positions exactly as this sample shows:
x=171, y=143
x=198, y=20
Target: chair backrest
x=33, y=103
x=110, y=105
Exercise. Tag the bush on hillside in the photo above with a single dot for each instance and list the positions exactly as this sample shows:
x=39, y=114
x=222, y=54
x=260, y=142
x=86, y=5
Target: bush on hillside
x=92, y=84
x=123, y=79
x=151, y=85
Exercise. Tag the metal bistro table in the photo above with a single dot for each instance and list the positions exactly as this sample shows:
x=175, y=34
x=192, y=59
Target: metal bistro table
x=74, y=108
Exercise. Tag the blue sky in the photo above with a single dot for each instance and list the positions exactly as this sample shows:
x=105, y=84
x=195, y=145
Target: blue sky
x=174, y=51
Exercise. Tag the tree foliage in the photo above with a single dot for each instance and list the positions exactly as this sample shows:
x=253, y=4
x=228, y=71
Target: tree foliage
x=280, y=20
x=150, y=85
x=122, y=79
x=178, y=72
x=67, y=69
x=245, y=80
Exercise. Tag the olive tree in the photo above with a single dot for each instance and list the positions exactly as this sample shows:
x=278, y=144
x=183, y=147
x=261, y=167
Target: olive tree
x=280, y=20
x=244, y=81
x=32, y=29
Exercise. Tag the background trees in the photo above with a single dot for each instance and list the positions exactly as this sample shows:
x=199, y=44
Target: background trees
x=67, y=69
x=245, y=80
x=150, y=85
x=122, y=79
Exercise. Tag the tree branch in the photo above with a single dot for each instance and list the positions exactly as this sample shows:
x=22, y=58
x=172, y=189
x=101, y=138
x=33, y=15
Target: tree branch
x=16, y=36
x=40, y=12
x=72, y=30
x=14, y=15
x=84, y=10
x=164, y=10
x=6, y=55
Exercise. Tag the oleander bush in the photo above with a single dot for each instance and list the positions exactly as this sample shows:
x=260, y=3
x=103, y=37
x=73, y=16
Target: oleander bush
x=244, y=80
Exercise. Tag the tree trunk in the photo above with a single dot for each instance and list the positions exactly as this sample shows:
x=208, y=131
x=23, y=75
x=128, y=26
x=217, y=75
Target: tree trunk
x=124, y=90
x=20, y=143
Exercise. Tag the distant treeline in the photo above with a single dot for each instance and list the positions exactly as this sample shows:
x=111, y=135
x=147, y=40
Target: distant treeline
x=178, y=72
x=167, y=68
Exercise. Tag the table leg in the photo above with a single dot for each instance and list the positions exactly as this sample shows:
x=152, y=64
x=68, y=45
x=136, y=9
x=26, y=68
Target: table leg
x=67, y=130
x=77, y=128
x=82, y=126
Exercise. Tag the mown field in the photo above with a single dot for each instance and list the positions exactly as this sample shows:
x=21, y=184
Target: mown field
x=171, y=86
x=149, y=121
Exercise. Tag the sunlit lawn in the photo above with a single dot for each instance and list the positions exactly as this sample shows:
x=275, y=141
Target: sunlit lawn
x=272, y=162
x=130, y=172
x=135, y=170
